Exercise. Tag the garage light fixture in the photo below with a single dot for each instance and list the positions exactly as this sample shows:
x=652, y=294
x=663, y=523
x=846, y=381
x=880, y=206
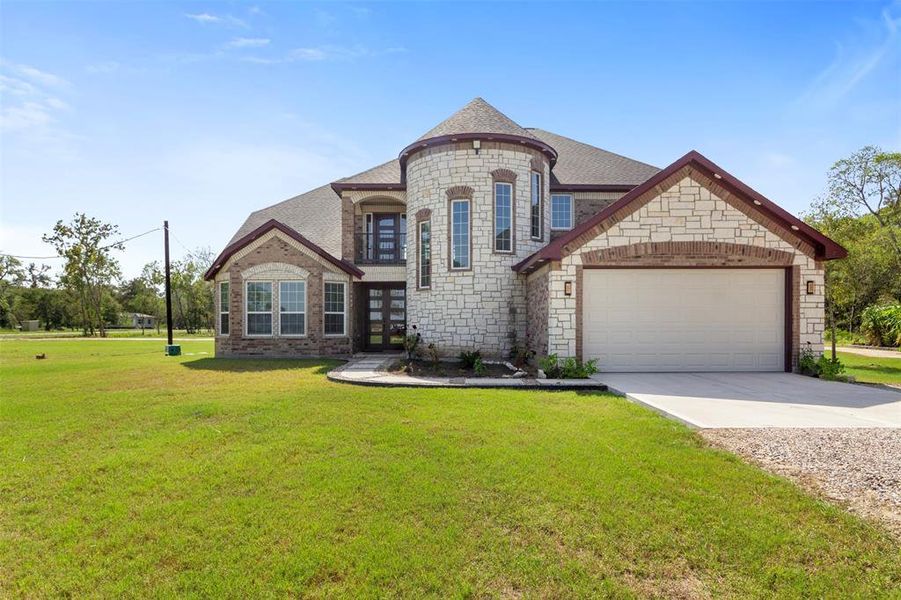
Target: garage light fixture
x=568, y=288
x=811, y=288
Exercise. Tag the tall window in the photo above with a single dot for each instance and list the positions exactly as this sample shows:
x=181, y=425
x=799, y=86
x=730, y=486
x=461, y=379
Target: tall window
x=459, y=234
x=335, y=307
x=259, y=308
x=292, y=307
x=561, y=211
x=425, y=254
x=503, y=217
x=223, y=308
x=536, y=206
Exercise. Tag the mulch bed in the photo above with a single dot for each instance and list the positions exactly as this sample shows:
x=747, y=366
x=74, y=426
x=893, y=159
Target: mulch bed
x=425, y=368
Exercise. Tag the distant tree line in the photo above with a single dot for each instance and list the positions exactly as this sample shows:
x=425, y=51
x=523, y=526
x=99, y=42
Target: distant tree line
x=861, y=210
x=90, y=294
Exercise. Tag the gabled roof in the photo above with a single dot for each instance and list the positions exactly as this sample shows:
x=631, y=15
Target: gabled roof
x=291, y=233
x=583, y=166
x=317, y=213
x=825, y=248
x=476, y=117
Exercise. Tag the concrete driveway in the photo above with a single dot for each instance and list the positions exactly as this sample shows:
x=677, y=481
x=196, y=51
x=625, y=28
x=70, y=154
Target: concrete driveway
x=709, y=400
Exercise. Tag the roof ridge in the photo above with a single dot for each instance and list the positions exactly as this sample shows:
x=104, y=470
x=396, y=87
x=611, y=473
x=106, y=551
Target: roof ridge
x=574, y=140
x=477, y=116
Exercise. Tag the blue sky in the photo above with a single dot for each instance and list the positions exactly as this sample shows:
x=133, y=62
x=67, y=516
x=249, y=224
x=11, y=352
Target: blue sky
x=203, y=112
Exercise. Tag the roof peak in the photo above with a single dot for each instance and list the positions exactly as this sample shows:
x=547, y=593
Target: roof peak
x=477, y=116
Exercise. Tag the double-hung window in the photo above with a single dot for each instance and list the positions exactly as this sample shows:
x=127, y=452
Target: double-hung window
x=259, y=307
x=292, y=307
x=535, y=206
x=223, y=308
x=561, y=211
x=503, y=217
x=425, y=254
x=335, y=308
x=460, y=222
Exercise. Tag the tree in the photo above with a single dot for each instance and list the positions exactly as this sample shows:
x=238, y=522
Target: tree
x=37, y=276
x=90, y=267
x=142, y=294
x=12, y=276
x=192, y=296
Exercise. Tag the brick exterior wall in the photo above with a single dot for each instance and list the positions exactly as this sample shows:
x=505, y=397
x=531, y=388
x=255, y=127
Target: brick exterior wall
x=273, y=258
x=588, y=204
x=682, y=226
x=484, y=306
x=537, y=311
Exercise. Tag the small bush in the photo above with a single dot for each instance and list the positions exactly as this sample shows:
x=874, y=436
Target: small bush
x=479, y=367
x=830, y=369
x=411, y=342
x=570, y=368
x=882, y=324
x=807, y=363
x=468, y=359
x=432, y=352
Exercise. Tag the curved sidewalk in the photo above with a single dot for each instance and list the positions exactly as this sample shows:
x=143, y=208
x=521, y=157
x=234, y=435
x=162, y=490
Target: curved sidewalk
x=371, y=370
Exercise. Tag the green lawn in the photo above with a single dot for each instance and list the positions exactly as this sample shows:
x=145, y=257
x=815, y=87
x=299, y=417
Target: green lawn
x=113, y=333
x=871, y=369
x=123, y=472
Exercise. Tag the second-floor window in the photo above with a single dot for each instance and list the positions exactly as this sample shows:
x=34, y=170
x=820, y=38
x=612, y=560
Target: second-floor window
x=535, y=206
x=425, y=254
x=561, y=211
x=503, y=217
x=460, y=258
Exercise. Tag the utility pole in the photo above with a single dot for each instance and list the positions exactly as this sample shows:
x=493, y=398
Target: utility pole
x=171, y=349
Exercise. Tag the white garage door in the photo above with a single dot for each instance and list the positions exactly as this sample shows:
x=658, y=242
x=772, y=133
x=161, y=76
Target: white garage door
x=684, y=319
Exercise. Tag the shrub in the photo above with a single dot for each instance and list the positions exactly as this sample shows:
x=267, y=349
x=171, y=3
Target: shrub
x=882, y=324
x=521, y=355
x=468, y=359
x=479, y=367
x=432, y=351
x=570, y=368
x=807, y=362
x=830, y=369
x=411, y=342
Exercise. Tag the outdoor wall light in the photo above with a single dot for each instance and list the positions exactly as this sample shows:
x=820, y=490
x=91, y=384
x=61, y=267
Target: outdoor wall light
x=568, y=288
x=477, y=144
x=811, y=288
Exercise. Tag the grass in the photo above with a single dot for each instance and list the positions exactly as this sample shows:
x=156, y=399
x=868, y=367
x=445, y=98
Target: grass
x=113, y=333
x=871, y=369
x=126, y=473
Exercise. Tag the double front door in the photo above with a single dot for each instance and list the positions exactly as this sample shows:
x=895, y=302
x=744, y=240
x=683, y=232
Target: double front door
x=386, y=316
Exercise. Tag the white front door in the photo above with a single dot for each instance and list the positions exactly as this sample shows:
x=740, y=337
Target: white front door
x=684, y=319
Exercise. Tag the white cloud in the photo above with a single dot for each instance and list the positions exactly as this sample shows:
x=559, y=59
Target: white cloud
x=242, y=42
x=210, y=19
x=875, y=43
x=33, y=74
x=31, y=109
x=324, y=53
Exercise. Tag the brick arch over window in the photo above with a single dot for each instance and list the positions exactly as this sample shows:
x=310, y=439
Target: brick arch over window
x=505, y=175
x=459, y=192
x=688, y=254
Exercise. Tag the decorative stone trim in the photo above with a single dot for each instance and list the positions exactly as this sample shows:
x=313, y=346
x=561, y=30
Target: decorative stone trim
x=504, y=175
x=264, y=239
x=424, y=214
x=459, y=192
x=538, y=164
x=695, y=254
x=274, y=270
x=357, y=196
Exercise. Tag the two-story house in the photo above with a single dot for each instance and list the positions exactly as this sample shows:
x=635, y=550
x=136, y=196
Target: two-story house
x=485, y=234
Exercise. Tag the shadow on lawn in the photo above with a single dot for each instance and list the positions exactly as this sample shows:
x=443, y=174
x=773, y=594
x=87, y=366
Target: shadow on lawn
x=256, y=365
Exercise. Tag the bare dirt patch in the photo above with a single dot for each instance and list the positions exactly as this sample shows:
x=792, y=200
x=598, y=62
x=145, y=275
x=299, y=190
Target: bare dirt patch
x=859, y=468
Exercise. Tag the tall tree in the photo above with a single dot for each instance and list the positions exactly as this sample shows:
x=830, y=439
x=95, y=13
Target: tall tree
x=90, y=267
x=12, y=276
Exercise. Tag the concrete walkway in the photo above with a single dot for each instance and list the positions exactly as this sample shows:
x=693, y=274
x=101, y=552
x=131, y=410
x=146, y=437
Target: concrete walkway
x=874, y=352
x=372, y=370
x=709, y=400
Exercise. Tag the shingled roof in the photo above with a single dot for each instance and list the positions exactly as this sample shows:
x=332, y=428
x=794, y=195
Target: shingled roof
x=580, y=164
x=315, y=214
x=476, y=117
x=385, y=174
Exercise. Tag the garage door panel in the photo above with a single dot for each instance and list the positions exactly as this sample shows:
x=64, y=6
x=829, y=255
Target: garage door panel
x=684, y=319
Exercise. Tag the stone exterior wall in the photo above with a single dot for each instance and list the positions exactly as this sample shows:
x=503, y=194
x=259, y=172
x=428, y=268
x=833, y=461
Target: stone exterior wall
x=484, y=306
x=537, y=311
x=274, y=258
x=691, y=209
x=587, y=204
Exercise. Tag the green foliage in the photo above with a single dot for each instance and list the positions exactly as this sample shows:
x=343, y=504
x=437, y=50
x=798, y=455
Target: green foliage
x=569, y=368
x=521, y=354
x=468, y=359
x=807, y=362
x=90, y=267
x=411, y=342
x=882, y=324
x=829, y=369
x=479, y=367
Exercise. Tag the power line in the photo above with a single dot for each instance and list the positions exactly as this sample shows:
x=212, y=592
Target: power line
x=101, y=248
